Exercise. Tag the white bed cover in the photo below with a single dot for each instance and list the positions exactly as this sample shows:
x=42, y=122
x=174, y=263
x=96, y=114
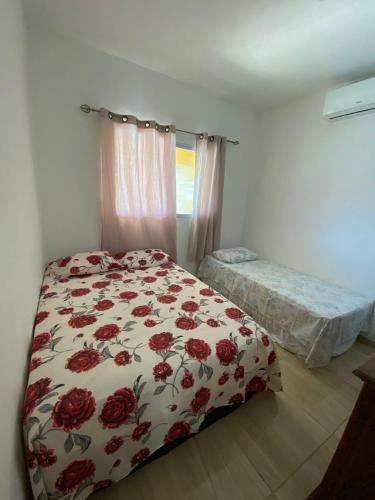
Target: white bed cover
x=307, y=316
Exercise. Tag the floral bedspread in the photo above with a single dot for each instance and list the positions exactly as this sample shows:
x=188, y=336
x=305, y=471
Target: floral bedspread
x=125, y=360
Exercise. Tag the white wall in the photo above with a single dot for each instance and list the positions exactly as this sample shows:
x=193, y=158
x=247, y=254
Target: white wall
x=66, y=74
x=312, y=205
x=20, y=248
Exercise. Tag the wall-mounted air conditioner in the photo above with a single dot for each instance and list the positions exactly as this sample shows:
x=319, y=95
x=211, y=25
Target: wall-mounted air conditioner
x=351, y=99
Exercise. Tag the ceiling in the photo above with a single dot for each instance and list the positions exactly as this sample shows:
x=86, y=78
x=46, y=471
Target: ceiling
x=255, y=53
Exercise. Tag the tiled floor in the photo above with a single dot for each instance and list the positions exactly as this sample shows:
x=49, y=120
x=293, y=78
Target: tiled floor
x=277, y=446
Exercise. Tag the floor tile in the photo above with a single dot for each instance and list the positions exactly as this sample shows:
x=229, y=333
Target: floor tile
x=309, y=475
x=340, y=431
x=277, y=436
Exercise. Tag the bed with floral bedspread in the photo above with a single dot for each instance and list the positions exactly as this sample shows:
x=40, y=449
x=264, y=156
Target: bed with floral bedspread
x=130, y=353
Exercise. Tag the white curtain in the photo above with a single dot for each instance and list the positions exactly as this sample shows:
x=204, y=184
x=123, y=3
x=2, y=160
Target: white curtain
x=208, y=196
x=138, y=184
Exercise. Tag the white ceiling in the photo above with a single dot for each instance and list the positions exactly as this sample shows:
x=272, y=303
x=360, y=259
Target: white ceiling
x=255, y=53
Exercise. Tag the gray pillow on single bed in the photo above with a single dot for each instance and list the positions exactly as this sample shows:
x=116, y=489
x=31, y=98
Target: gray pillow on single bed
x=234, y=255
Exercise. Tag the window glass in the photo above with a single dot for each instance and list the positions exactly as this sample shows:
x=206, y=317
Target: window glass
x=185, y=174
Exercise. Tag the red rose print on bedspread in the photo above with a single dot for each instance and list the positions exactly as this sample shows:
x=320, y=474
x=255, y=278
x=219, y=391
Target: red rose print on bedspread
x=187, y=380
x=82, y=361
x=141, y=430
x=115, y=265
x=75, y=474
x=141, y=311
x=113, y=444
x=190, y=306
x=197, y=349
x=148, y=279
x=118, y=408
x=140, y=457
x=185, y=323
x=150, y=323
x=101, y=284
x=206, y=292
x=234, y=313
x=66, y=310
x=175, y=288
x=239, y=373
x=188, y=281
x=34, y=364
x=161, y=371
x=161, y=341
x=158, y=256
x=81, y=321
x=34, y=392
x=128, y=295
x=177, y=431
x=236, y=399
x=226, y=351
x=271, y=357
x=79, y=292
x=64, y=262
x=40, y=341
x=265, y=340
x=255, y=384
x=244, y=331
x=103, y=305
x=224, y=378
x=123, y=358
x=94, y=259
x=200, y=399
x=46, y=456
x=114, y=276
x=73, y=409
x=107, y=332
x=212, y=323
x=30, y=458
x=41, y=316
x=167, y=299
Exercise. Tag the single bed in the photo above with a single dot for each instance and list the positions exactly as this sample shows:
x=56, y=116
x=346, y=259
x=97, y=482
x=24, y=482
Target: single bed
x=130, y=354
x=311, y=318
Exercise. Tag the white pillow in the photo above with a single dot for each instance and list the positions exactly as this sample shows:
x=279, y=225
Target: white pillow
x=234, y=255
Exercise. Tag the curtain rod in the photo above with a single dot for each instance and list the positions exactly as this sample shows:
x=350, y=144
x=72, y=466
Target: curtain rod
x=87, y=109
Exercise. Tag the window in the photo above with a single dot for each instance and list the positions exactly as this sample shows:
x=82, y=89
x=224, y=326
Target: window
x=185, y=174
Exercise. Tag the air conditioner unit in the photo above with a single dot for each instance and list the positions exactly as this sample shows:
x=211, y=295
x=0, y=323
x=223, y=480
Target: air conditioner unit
x=351, y=99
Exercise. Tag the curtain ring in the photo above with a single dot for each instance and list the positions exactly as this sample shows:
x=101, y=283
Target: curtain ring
x=124, y=118
x=201, y=136
x=110, y=116
x=212, y=138
x=147, y=124
x=167, y=129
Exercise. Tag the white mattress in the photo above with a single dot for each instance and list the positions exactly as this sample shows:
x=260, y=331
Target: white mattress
x=312, y=318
